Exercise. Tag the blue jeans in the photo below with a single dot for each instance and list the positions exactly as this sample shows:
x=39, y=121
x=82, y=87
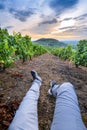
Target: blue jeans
x=67, y=114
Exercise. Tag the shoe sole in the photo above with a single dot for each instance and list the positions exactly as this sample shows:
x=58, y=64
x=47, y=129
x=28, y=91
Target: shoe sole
x=49, y=92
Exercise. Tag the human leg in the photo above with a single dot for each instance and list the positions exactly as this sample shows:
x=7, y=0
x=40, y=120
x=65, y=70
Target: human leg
x=26, y=117
x=67, y=114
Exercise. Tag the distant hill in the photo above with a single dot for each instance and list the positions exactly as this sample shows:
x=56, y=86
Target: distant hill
x=50, y=42
x=74, y=42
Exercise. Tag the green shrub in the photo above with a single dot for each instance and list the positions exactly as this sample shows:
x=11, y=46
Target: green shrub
x=81, y=53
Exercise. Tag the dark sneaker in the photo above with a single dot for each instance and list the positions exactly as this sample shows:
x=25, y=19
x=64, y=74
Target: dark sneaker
x=53, y=88
x=35, y=75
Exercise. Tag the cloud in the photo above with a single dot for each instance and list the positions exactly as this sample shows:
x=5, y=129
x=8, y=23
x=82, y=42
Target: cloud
x=2, y=6
x=71, y=27
x=60, y=5
x=41, y=30
x=22, y=15
x=53, y=21
x=45, y=29
x=85, y=29
x=9, y=27
x=66, y=19
x=81, y=17
x=75, y=29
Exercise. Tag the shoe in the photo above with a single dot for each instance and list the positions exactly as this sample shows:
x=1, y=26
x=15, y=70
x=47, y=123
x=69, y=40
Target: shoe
x=35, y=75
x=53, y=88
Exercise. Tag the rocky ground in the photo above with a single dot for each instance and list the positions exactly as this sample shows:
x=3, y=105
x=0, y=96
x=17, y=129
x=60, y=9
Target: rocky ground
x=15, y=82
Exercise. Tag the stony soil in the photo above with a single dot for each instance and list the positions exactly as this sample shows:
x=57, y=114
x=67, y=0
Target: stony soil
x=15, y=82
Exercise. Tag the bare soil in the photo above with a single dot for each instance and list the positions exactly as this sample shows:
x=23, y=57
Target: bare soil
x=15, y=82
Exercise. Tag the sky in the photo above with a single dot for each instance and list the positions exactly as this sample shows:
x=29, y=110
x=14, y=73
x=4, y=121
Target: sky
x=59, y=19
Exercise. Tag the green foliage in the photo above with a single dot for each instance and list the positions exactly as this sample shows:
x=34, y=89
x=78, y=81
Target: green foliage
x=81, y=54
x=16, y=46
x=39, y=50
x=6, y=53
x=23, y=46
x=3, y=34
x=64, y=53
x=78, y=56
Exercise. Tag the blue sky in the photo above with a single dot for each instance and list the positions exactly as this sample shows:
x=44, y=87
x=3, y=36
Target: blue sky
x=60, y=19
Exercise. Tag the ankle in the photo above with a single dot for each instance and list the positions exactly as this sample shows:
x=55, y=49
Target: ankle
x=38, y=82
x=55, y=90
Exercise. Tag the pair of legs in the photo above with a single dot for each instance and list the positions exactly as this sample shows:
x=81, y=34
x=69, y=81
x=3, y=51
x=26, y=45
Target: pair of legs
x=67, y=114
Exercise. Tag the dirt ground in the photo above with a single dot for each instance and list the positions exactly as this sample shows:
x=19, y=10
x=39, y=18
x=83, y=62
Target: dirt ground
x=15, y=82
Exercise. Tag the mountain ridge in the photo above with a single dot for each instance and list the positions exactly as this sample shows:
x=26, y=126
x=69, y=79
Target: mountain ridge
x=50, y=42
